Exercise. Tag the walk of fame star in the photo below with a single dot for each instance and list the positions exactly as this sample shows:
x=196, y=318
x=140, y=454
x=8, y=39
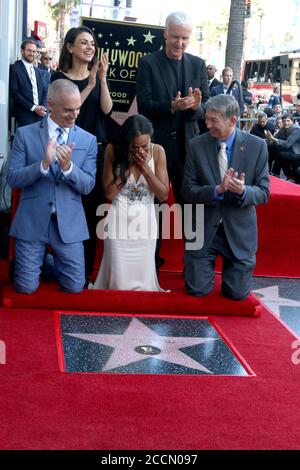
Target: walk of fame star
x=270, y=296
x=145, y=345
x=137, y=334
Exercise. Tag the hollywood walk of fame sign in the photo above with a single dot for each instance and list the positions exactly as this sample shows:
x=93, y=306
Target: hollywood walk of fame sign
x=125, y=43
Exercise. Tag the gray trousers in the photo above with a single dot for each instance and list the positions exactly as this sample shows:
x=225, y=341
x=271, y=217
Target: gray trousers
x=236, y=273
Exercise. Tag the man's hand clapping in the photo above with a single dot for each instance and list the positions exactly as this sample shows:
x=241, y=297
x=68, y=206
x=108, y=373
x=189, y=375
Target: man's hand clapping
x=233, y=182
x=50, y=153
x=192, y=101
x=62, y=153
x=269, y=137
x=198, y=98
x=236, y=183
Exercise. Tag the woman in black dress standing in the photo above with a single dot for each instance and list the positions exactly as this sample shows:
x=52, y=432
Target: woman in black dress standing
x=78, y=62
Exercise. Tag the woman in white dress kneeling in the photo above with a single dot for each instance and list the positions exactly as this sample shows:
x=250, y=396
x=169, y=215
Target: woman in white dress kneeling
x=135, y=171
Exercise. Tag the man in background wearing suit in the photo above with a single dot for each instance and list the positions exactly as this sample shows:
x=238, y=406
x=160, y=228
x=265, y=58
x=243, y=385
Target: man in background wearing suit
x=223, y=88
x=211, y=72
x=227, y=171
x=53, y=162
x=27, y=87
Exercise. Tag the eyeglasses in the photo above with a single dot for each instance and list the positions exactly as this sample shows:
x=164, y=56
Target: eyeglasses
x=47, y=58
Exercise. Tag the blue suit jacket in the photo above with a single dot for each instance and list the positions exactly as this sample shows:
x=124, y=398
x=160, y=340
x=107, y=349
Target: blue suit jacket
x=20, y=90
x=219, y=90
x=40, y=193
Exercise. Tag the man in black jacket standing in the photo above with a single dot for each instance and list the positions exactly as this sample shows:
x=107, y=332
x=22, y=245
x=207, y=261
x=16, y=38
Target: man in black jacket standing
x=171, y=91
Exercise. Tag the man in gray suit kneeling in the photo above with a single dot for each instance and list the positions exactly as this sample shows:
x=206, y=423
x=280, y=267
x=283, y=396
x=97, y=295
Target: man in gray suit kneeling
x=53, y=162
x=227, y=171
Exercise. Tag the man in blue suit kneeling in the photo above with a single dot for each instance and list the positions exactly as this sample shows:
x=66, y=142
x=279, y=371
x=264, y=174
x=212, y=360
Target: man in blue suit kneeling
x=53, y=162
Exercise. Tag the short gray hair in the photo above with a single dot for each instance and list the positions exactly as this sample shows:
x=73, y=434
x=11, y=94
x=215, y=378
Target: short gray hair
x=179, y=18
x=261, y=115
x=224, y=104
x=62, y=85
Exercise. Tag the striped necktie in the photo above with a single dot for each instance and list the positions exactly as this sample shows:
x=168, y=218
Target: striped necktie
x=60, y=140
x=35, y=93
x=223, y=160
x=60, y=136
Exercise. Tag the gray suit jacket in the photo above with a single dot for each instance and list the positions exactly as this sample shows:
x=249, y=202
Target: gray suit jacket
x=40, y=193
x=202, y=175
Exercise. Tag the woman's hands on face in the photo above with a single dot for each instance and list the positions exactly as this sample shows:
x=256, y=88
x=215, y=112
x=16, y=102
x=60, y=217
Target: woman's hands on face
x=139, y=157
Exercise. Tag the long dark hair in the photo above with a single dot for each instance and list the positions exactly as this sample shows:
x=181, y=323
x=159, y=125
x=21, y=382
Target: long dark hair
x=65, y=58
x=134, y=126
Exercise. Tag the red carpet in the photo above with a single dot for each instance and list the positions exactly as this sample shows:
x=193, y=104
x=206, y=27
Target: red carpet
x=42, y=408
x=278, y=234
x=50, y=296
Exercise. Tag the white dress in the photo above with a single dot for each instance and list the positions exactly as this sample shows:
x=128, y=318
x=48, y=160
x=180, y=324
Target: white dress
x=130, y=230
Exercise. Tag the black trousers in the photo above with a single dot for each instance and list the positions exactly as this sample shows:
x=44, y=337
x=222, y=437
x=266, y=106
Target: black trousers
x=274, y=160
x=175, y=153
x=289, y=162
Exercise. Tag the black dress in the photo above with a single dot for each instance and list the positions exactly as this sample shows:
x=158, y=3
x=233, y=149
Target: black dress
x=92, y=120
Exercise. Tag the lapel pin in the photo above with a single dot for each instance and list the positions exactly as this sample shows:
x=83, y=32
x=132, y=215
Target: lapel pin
x=242, y=148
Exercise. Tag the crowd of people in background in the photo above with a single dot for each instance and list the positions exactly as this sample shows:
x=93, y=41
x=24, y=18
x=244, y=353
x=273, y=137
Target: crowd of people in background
x=182, y=103
x=259, y=115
